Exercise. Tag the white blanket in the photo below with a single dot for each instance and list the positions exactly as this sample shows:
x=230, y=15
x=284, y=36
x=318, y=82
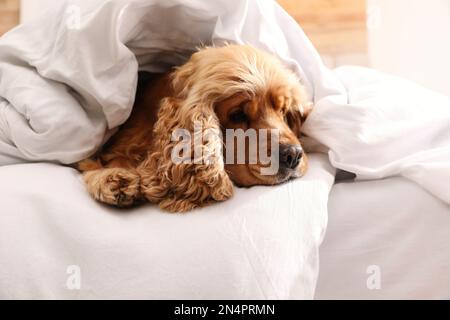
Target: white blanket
x=388, y=127
x=70, y=76
x=261, y=244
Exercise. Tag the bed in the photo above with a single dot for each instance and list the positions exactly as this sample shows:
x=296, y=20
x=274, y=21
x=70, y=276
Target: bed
x=262, y=244
x=392, y=227
x=51, y=231
x=58, y=104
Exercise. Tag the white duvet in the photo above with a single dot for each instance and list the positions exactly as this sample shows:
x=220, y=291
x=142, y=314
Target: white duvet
x=262, y=244
x=388, y=127
x=68, y=81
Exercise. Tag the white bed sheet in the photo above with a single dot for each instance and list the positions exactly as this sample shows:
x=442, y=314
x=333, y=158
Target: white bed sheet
x=262, y=244
x=391, y=224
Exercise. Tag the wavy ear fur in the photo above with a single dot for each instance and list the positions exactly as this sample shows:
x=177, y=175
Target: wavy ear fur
x=295, y=117
x=180, y=187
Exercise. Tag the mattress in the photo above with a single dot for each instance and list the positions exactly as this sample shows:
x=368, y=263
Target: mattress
x=386, y=239
x=58, y=243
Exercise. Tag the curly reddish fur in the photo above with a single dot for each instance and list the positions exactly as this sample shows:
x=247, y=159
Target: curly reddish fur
x=136, y=164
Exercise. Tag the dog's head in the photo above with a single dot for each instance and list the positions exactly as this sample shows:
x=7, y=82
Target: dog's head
x=248, y=99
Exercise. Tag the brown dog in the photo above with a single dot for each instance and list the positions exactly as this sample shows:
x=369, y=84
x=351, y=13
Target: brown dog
x=231, y=87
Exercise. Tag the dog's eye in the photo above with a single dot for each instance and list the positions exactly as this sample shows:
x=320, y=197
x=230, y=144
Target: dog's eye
x=238, y=116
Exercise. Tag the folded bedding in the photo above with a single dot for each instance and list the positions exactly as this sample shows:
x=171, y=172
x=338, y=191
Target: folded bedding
x=65, y=86
x=261, y=244
x=388, y=127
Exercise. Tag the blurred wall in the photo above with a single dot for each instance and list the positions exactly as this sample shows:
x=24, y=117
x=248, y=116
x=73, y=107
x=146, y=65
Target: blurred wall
x=337, y=28
x=30, y=8
x=9, y=14
x=411, y=38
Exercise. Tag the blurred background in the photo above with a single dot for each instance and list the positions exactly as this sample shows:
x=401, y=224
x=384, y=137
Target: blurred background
x=408, y=38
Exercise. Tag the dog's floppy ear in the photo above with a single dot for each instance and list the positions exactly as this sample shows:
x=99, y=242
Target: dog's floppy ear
x=297, y=115
x=179, y=185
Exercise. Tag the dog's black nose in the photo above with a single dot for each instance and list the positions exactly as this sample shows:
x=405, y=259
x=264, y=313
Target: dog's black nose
x=290, y=156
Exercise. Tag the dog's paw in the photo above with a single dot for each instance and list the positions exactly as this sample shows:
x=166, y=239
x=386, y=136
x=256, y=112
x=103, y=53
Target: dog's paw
x=115, y=186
